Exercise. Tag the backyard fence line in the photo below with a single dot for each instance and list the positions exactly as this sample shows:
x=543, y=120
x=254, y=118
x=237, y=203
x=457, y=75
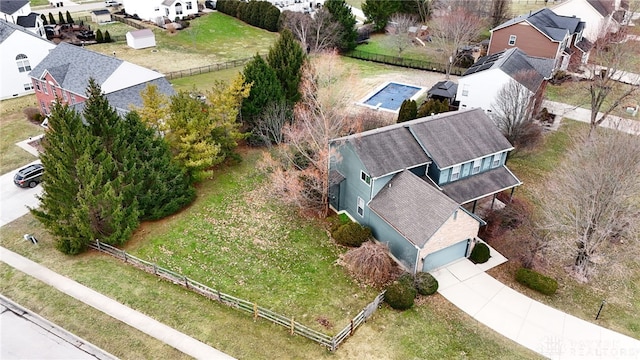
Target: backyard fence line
x=207, y=68
x=124, y=20
x=404, y=62
x=294, y=327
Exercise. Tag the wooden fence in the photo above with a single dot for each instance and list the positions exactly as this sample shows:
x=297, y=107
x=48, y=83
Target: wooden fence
x=124, y=20
x=404, y=62
x=207, y=68
x=294, y=327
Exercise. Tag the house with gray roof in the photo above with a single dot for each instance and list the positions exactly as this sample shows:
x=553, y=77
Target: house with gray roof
x=480, y=84
x=543, y=34
x=64, y=74
x=600, y=16
x=416, y=184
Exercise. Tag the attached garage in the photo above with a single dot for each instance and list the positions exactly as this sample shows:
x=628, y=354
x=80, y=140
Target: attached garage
x=445, y=256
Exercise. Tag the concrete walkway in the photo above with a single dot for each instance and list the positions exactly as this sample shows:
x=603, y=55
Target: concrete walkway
x=144, y=323
x=536, y=326
x=584, y=115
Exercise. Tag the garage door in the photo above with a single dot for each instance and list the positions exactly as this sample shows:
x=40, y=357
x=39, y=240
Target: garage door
x=445, y=256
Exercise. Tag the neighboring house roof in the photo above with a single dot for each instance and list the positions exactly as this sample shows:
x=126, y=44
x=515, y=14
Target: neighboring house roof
x=456, y=137
x=604, y=8
x=168, y=2
x=28, y=21
x=584, y=45
x=445, y=88
x=549, y=23
x=7, y=29
x=386, y=150
x=101, y=12
x=141, y=34
x=405, y=200
x=481, y=185
x=11, y=6
x=72, y=67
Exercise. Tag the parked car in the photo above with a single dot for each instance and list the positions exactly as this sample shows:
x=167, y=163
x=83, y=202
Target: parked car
x=210, y=4
x=108, y=3
x=29, y=176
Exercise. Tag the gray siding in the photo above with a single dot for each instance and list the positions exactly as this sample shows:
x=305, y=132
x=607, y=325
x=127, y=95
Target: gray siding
x=379, y=184
x=352, y=187
x=400, y=247
x=443, y=176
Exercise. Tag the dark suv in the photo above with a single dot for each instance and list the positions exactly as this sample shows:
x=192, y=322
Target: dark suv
x=29, y=176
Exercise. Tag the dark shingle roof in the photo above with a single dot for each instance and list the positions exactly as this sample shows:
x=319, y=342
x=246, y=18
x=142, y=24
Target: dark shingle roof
x=404, y=202
x=7, y=28
x=603, y=7
x=481, y=185
x=28, y=21
x=457, y=137
x=513, y=62
x=549, y=23
x=387, y=150
x=11, y=6
x=444, y=88
x=125, y=98
x=81, y=64
x=101, y=12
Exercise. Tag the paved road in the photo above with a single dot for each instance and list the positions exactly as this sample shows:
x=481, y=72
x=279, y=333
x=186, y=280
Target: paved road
x=583, y=115
x=69, y=6
x=539, y=327
x=138, y=320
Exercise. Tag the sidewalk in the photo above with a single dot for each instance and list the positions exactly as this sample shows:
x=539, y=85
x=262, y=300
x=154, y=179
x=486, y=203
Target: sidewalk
x=584, y=115
x=144, y=323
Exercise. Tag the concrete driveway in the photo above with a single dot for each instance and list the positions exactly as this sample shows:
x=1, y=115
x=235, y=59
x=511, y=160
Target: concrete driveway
x=14, y=200
x=541, y=328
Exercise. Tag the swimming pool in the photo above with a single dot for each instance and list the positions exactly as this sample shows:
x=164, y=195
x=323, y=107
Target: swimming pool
x=391, y=95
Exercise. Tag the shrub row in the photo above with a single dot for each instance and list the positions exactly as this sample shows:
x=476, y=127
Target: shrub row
x=401, y=294
x=536, y=281
x=261, y=14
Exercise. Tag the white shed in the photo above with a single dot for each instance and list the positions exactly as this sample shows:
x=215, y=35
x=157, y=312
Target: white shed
x=141, y=39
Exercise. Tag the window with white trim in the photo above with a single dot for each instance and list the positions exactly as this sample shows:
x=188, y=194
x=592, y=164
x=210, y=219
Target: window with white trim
x=512, y=40
x=189, y=6
x=476, y=166
x=23, y=63
x=178, y=9
x=465, y=89
x=496, y=160
x=455, y=173
x=38, y=86
x=28, y=86
x=64, y=95
x=45, y=87
x=365, y=177
x=360, y=206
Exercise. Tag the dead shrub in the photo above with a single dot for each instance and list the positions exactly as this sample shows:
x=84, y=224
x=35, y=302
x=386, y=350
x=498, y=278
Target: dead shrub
x=370, y=264
x=33, y=115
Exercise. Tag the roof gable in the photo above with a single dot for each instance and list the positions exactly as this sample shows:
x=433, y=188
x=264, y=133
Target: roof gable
x=404, y=202
x=9, y=7
x=28, y=21
x=7, y=29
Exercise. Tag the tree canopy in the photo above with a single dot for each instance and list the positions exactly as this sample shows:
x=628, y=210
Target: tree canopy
x=286, y=57
x=341, y=13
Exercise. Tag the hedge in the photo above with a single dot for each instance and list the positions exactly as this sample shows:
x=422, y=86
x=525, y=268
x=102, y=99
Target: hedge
x=536, y=281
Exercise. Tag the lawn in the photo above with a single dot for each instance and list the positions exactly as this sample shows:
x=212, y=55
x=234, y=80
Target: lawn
x=14, y=128
x=577, y=93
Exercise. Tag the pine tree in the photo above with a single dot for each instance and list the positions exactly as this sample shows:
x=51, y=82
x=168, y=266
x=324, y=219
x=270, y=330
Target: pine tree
x=286, y=57
x=341, y=12
x=60, y=18
x=44, y=19
x=107, y=37
x=69, y=18
x=99, y=37
x=265, y=89
x=408, y=111
x=52, y=20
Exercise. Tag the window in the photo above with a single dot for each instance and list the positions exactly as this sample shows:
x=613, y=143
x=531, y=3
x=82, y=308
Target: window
x=178, y=9
x=23, y=63
x=455, y=173
x=365, y=177
x=64, y=95
x=45, y=87
x=465, y=89
x=166, y=10
x=28, y=86
x=360, y=206
x=38, y=86
x=157, y=8
x=189, y=6
x=476, y=166
x=512, y=40
x=496, y=160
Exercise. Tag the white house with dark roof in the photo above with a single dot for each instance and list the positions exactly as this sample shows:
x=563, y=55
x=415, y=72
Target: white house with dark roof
x=158, y=10
x=19, y=12
x=64, y=74
x=478, y=87
x=416, y=184
x=20, y=51
x=600, y=16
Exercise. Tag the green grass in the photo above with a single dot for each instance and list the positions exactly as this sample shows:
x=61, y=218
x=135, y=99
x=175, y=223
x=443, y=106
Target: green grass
x=577, y=93
x=203, y=82
x=39, y=2
x=14, y=128
x=380, y=44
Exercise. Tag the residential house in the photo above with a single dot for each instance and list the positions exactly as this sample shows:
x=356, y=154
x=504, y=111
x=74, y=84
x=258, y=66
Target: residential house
x=416, y=184
x=158, y=11
x=600, y=16
x=64, y=74
x=19, y=12
x=543, y=34
x=20, y=51
x=480, y=84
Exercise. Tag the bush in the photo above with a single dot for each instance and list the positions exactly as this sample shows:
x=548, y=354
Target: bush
x=99, y=36
x=107, y=37
x=370, y=263
x=480, y=253
x=400, y=295
x=426, y=284
x=33, y=115
x=536, y=281
x=351, y=234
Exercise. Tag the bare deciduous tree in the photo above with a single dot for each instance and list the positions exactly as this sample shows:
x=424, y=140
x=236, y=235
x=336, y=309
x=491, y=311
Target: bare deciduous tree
x=453, y=30
x=590, y=206
x=610, y=86
x=513, y=107
x=500, y=11
x=398, y=31
x=318, y=33
x=271, y=121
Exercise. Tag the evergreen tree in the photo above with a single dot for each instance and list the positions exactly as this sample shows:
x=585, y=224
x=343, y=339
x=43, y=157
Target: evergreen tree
x=286, y=57
x=60, y=18
x=408, y=111
x=433, y=106
x=69, y=18
x=44, y=19
x=265, y=89
x=52, y=20
x=99, y=37
x=378, y=12
x=341, y=12
x=107, y=37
